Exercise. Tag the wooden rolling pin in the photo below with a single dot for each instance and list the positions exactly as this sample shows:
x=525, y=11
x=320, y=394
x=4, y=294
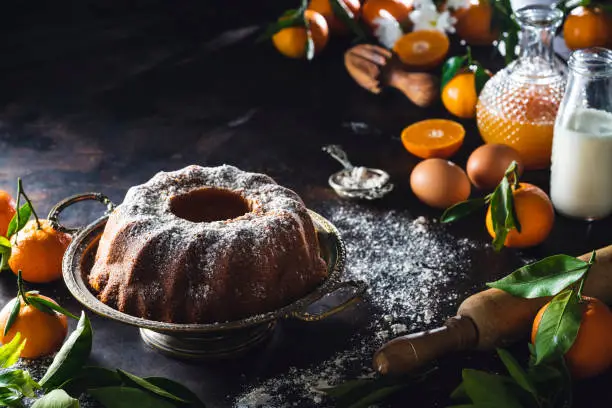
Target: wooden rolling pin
x=484, y=321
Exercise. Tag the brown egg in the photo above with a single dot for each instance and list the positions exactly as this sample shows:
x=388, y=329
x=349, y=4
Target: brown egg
x=439, y=183
x=487, y=165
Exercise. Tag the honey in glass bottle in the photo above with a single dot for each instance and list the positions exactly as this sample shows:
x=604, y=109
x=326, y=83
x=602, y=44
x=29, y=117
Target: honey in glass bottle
x=518, y=106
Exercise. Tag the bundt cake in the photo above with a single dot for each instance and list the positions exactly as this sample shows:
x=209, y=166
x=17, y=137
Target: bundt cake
x=206, y=244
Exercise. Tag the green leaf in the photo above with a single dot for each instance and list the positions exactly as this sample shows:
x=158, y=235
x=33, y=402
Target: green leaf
x=25, y=212
x=462, y=209
x=498, y=217
x=460, y=394
x=490, y=390
x=558, y=327
x=546, y=277
x=5, y=254
x=4, y=242
x=71, y=357
x=48, y=307
x=127, y=397
x=354, y=393
x=91, y=377
x=345, y=15
x=177, y=389
x=516, y=371
x=511, y=221
x=376, y=396
x=552, y=380
x=56, y=399
x=19, y=380
x=451, y=68
x=13, y=316
x=144, y=384
x=480, y=78
x=10, y=352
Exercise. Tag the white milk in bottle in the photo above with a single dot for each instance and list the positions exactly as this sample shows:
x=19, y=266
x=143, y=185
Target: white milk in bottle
x=581, y=176
x=581, y=172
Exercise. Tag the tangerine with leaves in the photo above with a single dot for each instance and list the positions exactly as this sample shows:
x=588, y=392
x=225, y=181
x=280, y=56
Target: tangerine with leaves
x=334, y=22
x=398, y=9
x=37, y=250
x=291, y=41
x=535, y=214
x=474, y=23
x=424, y=49
x=587, y=27
x=44, y=332
x=7, y=211
x=591, y=353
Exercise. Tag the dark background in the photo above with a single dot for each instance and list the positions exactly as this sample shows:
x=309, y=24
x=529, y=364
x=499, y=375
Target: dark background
x=100, y=95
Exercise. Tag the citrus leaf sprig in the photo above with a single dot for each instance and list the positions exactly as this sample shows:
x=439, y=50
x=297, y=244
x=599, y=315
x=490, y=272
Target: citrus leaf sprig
x=31, y=298
x=455, y=64
x=563, y=277
x=503, y=214
x=292, y=18
x=502, y=18
x=367, y=392
x=543, y=386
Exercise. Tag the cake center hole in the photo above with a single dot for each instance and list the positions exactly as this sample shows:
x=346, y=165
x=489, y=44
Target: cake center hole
x=209, y=204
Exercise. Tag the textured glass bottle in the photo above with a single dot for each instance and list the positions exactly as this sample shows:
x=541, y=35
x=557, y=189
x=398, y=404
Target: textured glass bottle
x=518, y=106
x=581, y=173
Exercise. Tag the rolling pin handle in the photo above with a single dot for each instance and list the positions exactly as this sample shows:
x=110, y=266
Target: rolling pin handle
x=408, y=353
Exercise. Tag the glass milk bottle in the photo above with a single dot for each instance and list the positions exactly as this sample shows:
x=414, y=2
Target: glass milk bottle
x=581, y=173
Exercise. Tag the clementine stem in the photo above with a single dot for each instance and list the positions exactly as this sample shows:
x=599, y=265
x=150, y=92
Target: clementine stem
x=20, y=291
x=22, y=191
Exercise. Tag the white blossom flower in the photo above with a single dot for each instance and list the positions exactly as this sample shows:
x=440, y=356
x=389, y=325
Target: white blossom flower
x=388, y=30
x=457, y=4
x=428, y=18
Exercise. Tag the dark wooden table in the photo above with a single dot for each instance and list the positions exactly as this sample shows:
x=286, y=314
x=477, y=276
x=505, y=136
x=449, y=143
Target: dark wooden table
x=99, y=96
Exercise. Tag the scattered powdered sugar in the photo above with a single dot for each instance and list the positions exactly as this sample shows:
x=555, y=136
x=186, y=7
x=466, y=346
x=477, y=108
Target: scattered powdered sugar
x=407, y=263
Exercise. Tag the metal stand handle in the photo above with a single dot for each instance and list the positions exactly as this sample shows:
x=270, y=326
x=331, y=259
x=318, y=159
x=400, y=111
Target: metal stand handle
x=359, y=288
x=67, y=202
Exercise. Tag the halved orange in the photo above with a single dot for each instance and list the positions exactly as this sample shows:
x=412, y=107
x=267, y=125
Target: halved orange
x=423, y=49
x=429, y=138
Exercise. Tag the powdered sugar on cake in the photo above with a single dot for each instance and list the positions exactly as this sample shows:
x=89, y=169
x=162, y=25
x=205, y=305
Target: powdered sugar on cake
x=258, y=260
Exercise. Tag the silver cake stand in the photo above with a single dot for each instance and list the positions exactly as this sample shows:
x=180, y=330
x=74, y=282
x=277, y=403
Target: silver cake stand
x=215, y=340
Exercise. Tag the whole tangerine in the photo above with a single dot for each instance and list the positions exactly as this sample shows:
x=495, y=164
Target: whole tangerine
x=459, y=95
x=335, y=24
x=291, y=41
x=38, y=252
x=7, y=211
x=375, y=9
x=591, y=353
x=474, y=23
x=44, y=332
x=535, y=213
x=587, y=27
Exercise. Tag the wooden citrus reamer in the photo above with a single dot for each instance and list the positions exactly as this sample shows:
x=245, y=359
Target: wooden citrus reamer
x=486, y=320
